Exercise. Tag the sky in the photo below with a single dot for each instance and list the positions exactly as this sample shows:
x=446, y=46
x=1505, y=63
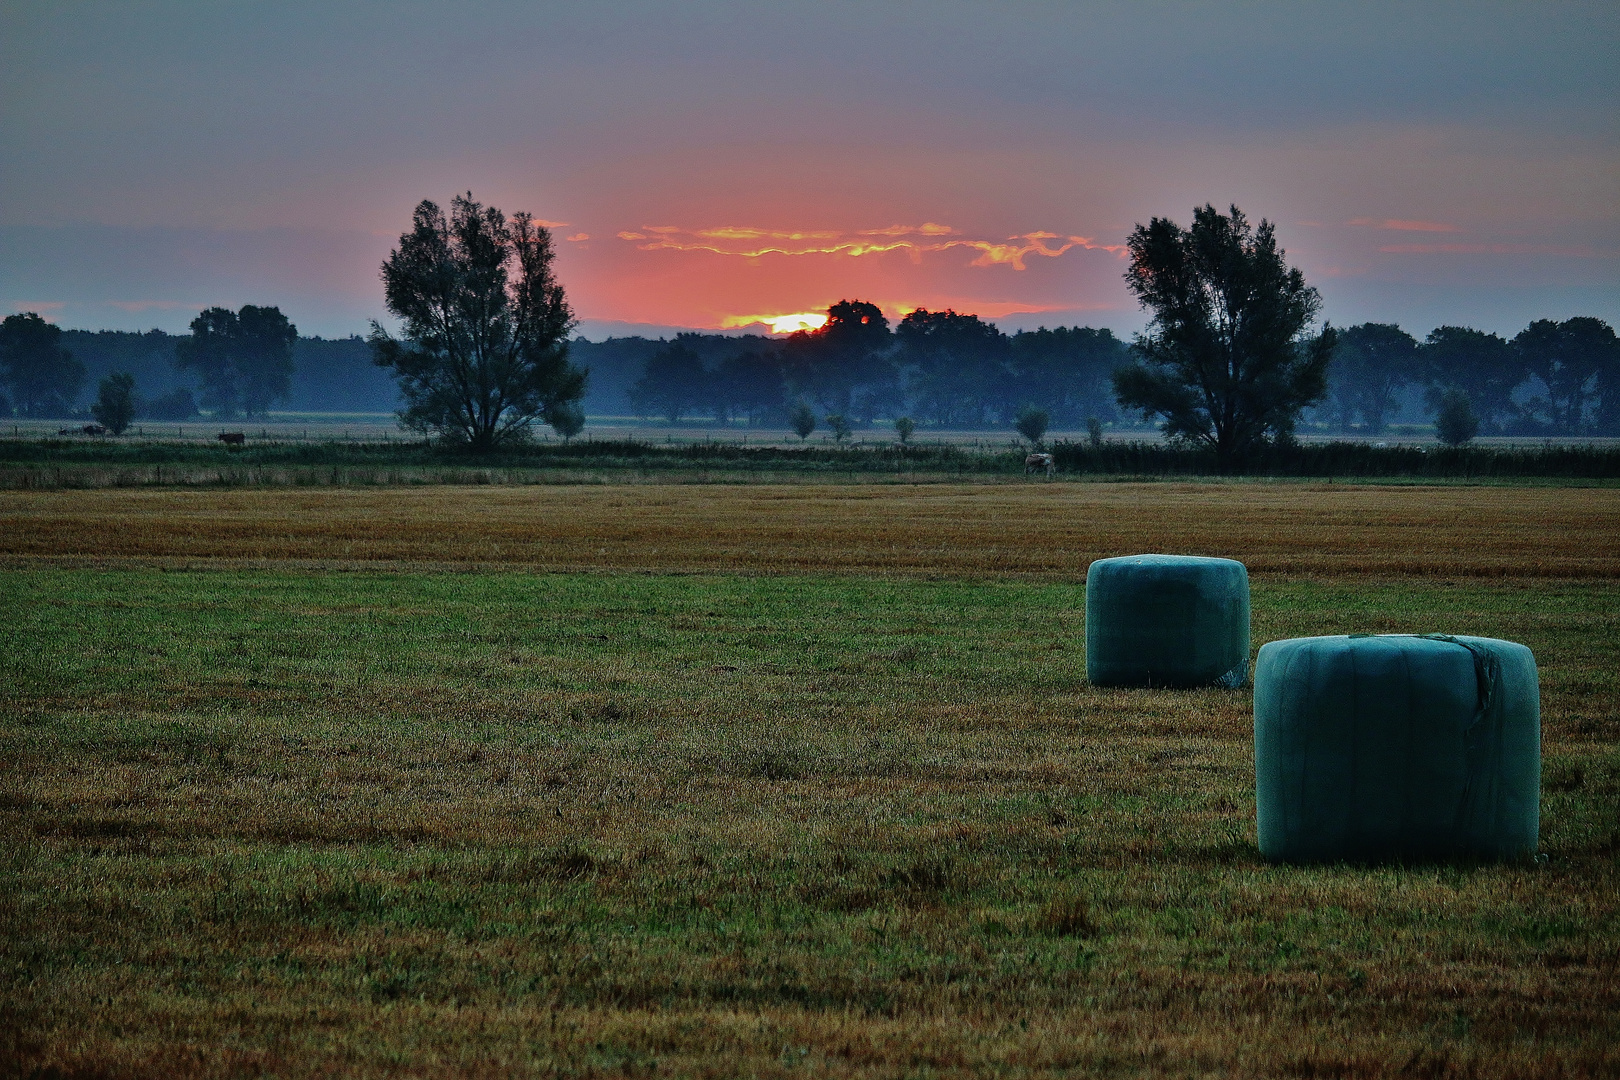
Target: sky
x=708, y=165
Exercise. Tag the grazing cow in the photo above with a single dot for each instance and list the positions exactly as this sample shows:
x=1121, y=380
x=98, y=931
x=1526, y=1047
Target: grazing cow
x=94, y=429
x=232, y=438
x=1040, y=461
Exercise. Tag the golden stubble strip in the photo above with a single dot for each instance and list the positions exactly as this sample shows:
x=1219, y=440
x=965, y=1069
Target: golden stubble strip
x=1033, y=530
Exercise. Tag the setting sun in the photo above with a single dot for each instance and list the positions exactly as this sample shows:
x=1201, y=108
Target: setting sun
x=782, y=324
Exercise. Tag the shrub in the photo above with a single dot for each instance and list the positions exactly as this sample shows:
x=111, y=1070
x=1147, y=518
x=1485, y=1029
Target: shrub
x=803, y=419
x=1032, y=423
x=1456, y=423
x=115, y=405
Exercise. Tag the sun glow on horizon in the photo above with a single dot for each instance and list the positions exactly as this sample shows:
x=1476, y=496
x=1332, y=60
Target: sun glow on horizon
x=780, y=324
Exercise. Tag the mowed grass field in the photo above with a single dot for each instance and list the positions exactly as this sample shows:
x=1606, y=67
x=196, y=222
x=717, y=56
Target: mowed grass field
x=756, y=781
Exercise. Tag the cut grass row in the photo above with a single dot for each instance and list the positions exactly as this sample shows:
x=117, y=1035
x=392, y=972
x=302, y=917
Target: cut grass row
x=307, y=822
x=1040, y=530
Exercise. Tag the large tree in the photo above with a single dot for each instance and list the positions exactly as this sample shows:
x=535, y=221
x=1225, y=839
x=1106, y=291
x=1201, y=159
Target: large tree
x=749, y=384
x=244, y=359
x=844, y=365
x=1372, y=363
x=1069, y=371
x=1228, y=360
x=1577, y=361
x=957, y=365
x=484, y=349
x=674, y=382
x=44, y=377
x=1482, y=367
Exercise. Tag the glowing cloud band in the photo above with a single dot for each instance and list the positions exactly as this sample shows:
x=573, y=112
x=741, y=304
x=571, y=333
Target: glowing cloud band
x=752, y=243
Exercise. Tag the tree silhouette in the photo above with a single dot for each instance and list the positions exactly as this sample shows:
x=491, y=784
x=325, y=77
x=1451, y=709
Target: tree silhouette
x=44, y=377
x=1455, y=421
x=957, y=364
x=803, y=419
x=1069, y=370
x=115, y=405
x=567, y=419
x=748, y=384
x=673, y=383
x=243, y=359
x=484, y=352
x=264, y=357
x=1574, y=360
x=1483, y=367
x=1371, y=363
x=844, y=365
x=1032, y=424
x=1227, y=361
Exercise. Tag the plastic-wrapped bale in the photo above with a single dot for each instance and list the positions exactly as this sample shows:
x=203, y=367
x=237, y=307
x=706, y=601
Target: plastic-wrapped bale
x=1167, y=620
x=1377, y=748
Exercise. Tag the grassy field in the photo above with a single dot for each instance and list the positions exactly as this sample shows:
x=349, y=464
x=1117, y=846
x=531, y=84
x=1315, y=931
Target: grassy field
x=755, y=781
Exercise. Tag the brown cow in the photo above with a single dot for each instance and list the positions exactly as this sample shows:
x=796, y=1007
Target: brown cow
x=1040, y=461
x=232, y=438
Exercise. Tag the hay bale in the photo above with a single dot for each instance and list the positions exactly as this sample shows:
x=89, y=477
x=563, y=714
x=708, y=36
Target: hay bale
x=1167, y=620
x=1392, y=747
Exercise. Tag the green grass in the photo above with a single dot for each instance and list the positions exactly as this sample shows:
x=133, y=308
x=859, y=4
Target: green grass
x=481, y=823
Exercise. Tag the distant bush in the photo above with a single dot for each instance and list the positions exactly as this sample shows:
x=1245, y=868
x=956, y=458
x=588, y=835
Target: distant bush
x=1456, y=423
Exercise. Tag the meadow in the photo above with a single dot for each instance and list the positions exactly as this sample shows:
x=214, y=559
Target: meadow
x=756, y=780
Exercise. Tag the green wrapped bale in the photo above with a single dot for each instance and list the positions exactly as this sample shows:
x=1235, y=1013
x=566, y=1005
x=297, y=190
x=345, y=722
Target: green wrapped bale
x=1167, y=620
x=1396, y=748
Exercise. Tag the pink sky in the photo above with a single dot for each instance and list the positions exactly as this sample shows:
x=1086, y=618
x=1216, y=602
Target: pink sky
x=705, y=162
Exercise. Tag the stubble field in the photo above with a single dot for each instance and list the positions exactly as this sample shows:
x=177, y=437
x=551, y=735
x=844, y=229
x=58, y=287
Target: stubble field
x=758, y=781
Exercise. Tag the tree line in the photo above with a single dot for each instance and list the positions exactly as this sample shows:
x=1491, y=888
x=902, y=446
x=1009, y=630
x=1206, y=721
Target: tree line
x=45, y=372
x=956, y=371
x=1552, y=378
x=938, y=367
x=1230, y=360
x=242, y=360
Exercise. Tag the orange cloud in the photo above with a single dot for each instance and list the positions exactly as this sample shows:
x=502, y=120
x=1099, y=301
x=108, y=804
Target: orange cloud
x=927, y=228
x=1399, y=225
x=578, y=237
x=750, y=242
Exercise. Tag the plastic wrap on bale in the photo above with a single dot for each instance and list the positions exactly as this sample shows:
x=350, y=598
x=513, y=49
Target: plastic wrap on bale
x=1385, y=748
x=1167, y=620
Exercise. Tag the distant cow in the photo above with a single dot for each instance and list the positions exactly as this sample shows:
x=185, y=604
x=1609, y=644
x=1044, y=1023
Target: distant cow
x=232, y=438
x=88, y=429
x=1040, y=462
